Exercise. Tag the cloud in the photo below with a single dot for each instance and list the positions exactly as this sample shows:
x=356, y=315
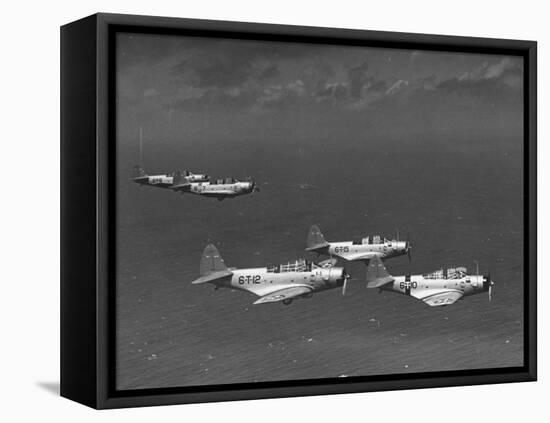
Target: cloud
x=357, y=79
x=491, y=71
x=397, y=86
x=500, y=81
x=253, y=83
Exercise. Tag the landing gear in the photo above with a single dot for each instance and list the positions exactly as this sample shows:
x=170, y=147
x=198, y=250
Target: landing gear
x=308, y=295
x=288, y=301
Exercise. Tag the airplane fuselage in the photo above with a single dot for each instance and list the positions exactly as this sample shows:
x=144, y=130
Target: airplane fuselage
x=167, y=180
x=159, y=181
x=260, y=281
x=350, y=251
x=421, y=287
x=221, y=191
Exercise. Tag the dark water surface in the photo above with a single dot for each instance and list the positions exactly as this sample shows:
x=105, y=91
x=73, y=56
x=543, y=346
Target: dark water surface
x=459, y=204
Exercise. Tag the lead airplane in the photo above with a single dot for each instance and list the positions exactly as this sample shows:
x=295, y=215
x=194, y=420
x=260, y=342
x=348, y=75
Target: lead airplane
x=273, y=283
x=439, y=288
x=139, y=176
x=363, y=249
x=220, y=188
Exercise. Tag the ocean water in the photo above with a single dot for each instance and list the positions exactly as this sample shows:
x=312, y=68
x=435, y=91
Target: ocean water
x=459, y=204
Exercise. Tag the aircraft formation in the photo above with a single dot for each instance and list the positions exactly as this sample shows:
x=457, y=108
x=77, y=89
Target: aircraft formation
x=303, y=278
x=195, y=183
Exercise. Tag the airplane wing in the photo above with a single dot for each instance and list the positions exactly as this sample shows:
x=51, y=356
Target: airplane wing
x=440, y=298
x=362, y=256
x=285, y=293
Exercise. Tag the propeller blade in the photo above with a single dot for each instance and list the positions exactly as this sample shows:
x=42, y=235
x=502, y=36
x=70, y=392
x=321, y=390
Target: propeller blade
x=408, y=246
x=344, y=286
x=491, y=284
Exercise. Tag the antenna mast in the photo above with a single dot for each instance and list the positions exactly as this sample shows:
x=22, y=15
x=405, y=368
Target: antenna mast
x=141, y=146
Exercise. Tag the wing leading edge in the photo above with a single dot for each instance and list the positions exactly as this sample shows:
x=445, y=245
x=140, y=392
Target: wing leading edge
x=284, y=294
x=442, y=298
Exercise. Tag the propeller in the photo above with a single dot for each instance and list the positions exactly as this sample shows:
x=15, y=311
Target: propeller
x=346, y=277
x=488, y=282
x=491, y=284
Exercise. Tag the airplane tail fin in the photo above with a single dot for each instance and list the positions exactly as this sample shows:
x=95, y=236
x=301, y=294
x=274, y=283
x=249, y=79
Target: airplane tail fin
x=138, y=172
x=377, y=275
x=212, y=267
x=181, y=181
x=315, y=239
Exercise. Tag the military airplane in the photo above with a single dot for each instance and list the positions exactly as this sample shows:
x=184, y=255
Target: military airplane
x=362, y=249
x=220, y=188
x=439, y=288
x=140, y=177
x=285, y=282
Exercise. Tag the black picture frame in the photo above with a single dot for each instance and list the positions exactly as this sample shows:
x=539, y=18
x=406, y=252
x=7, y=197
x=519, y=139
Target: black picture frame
x=88, y=224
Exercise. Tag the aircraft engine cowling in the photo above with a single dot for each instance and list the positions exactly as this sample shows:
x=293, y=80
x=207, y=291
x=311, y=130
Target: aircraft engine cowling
x=334, y=276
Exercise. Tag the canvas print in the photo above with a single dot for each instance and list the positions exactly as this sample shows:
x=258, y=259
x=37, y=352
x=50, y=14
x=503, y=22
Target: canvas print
x=290, y=211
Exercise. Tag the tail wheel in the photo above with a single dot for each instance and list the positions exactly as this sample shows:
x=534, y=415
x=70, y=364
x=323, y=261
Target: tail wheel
x=288, y=301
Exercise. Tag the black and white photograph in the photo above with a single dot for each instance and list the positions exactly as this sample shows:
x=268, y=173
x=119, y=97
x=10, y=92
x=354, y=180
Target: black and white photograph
x=275, y=211
x=292, y=211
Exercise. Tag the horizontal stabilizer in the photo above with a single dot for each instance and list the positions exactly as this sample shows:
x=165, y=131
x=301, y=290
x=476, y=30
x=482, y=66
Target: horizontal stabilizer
x=181, y=187
x=214, y=276
x=377, y=275
x=317, y=246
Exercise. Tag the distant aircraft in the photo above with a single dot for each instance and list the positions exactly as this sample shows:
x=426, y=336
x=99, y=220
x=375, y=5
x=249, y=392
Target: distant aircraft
x=439, y=288
x=273, y=283
x=163, y=181
x=220, y=188
x=362, y=249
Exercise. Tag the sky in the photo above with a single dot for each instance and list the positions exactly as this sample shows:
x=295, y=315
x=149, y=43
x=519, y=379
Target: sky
x=224, y=89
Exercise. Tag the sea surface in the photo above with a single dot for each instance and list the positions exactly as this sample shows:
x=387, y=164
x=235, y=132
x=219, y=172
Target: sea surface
x=459, y=204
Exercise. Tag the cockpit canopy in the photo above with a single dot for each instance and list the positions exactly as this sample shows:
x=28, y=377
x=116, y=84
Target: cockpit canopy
x=224, y=181
x=375, y=239
x=181, y=172
x=450, y=273
x=300, y=265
